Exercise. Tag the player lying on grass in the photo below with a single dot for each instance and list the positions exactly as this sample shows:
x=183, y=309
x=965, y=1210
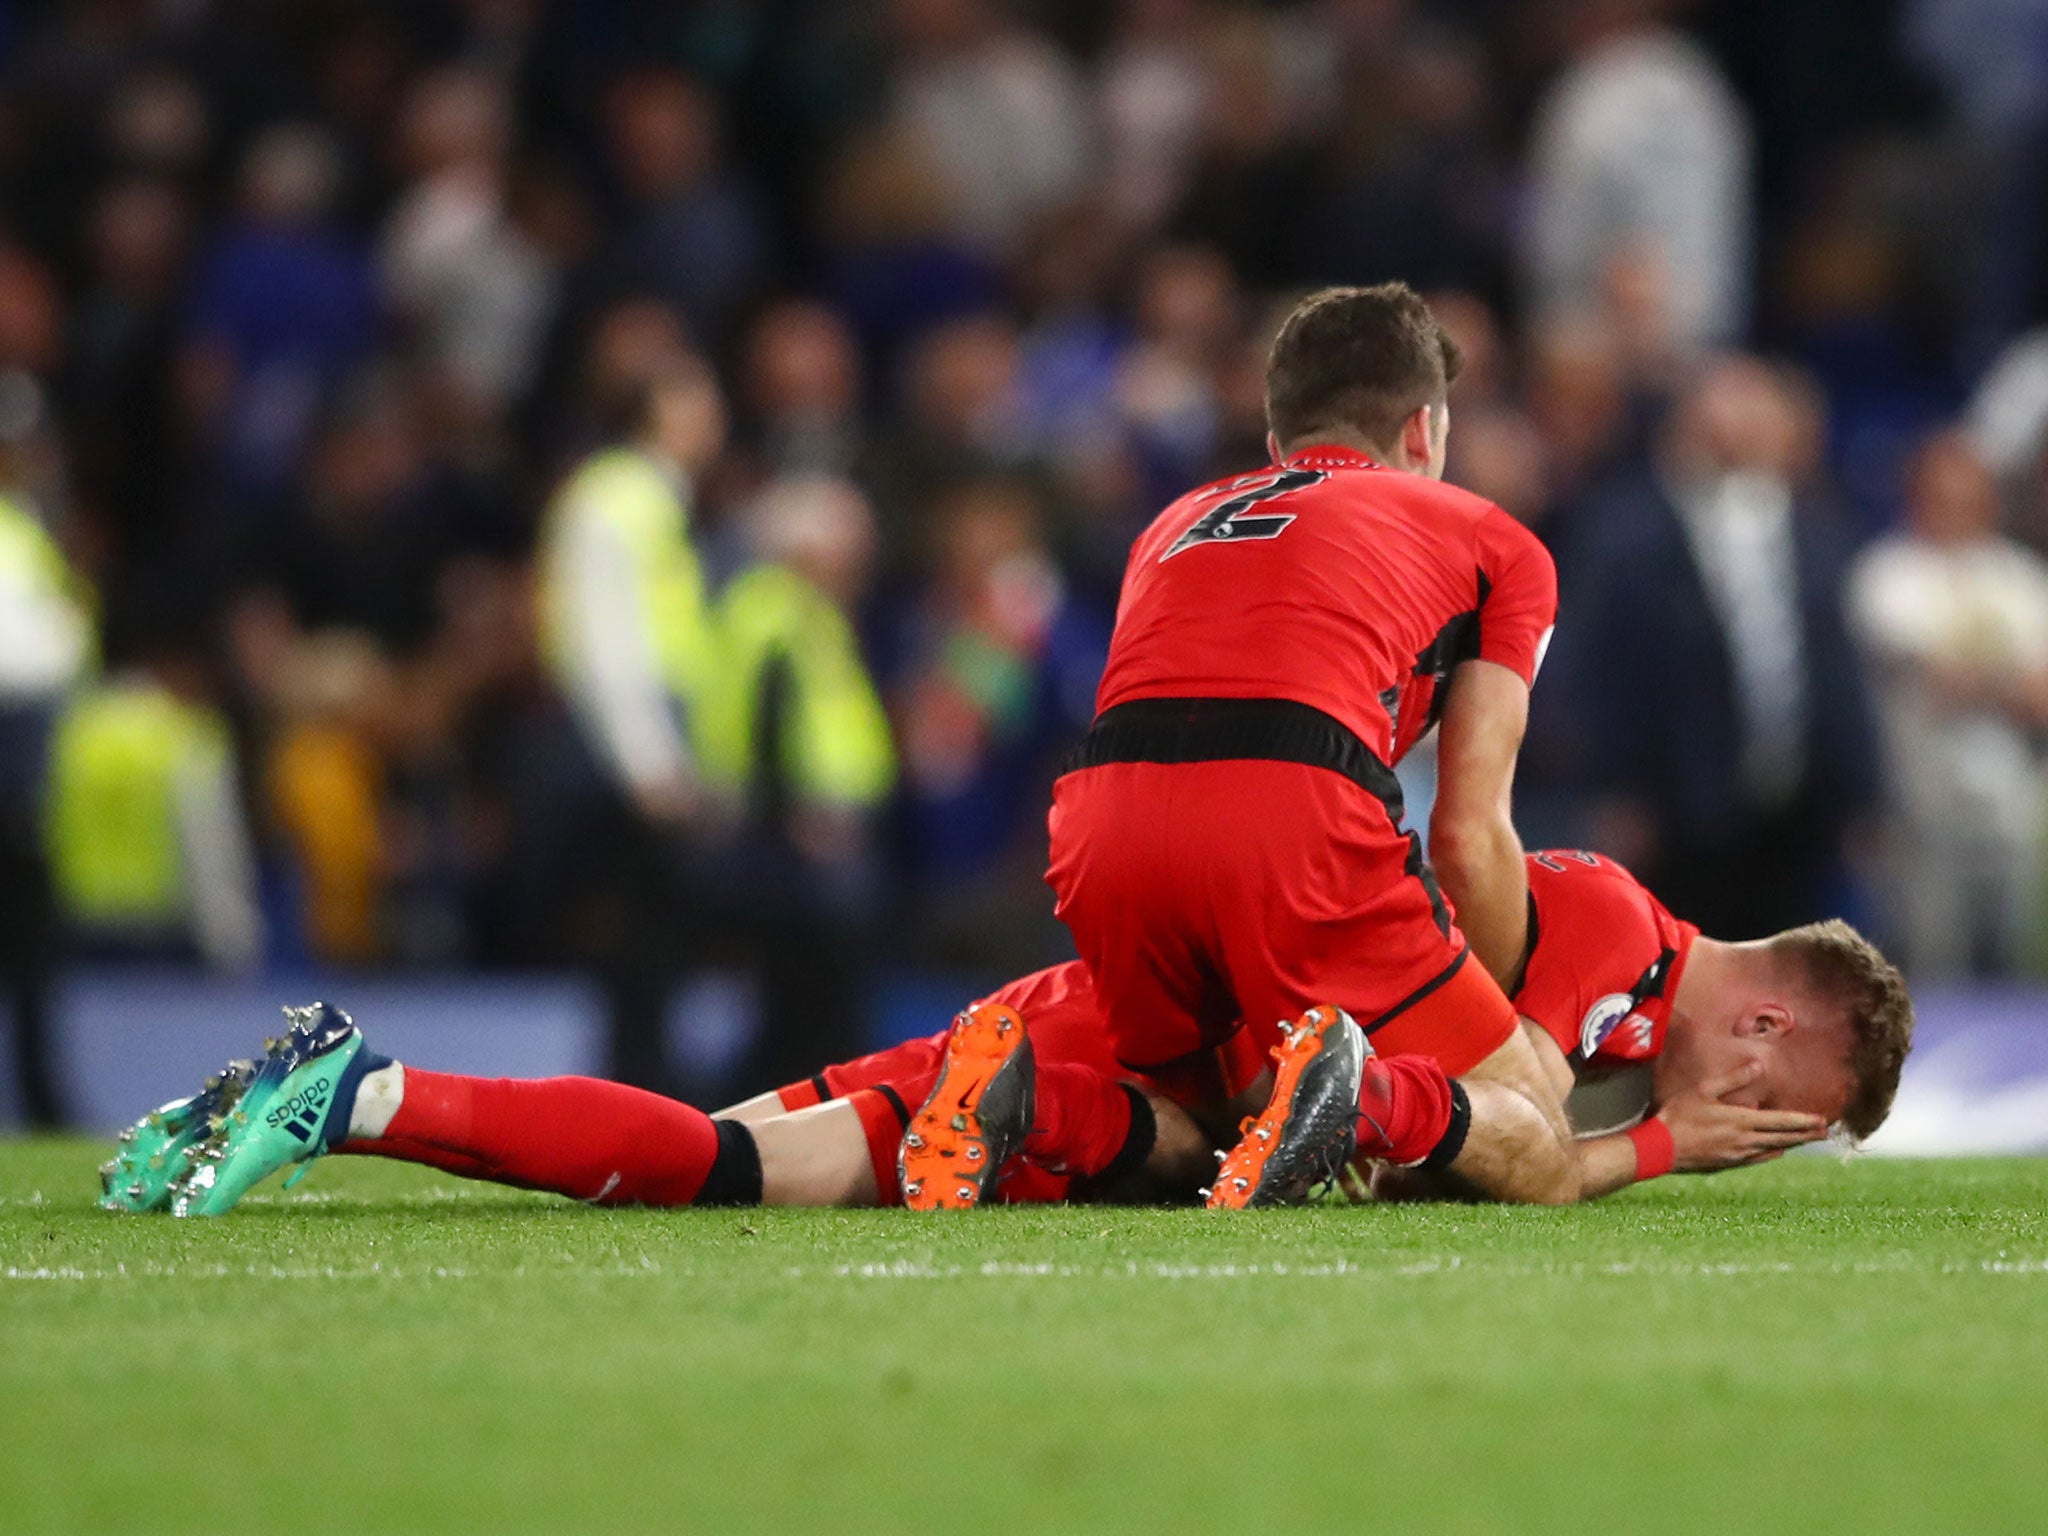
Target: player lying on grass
x=1671, y=1052
x=1734, y=1051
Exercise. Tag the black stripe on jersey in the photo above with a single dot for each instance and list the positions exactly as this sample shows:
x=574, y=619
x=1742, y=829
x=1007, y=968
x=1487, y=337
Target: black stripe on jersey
x=1457, y=642
x=1221, y=730
x=1530, y=940
x=1270, y=730
x=1420, y=992
x=1648, y=988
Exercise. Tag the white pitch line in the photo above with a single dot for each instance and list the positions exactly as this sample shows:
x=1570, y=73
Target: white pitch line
x=122, y=1272
x=910, y=1269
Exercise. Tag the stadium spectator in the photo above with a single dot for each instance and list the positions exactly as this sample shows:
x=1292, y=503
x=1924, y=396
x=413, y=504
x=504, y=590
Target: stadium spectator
x=1149, y=90
x=1187, y=319
x=2008, y=421
x=995, y=109
x=1640, y=151
x=1255, y=170
x=998, y=676
x=693, y=233
x=31, y=314
x=1988, y=55
x=359, y=540
x=1727, y=726
x=46, y=648
x=1866, y=299
x=627, y=636
x=453, y=260
x=794, y=733
x=889, y=262
x=1584, y=400
x=1073, y=338
x=800, y=391
x=282, y=308
x=149, y=851
x=115, y=384
x=1954, y=616
x=962, y=416
x=1415, y=189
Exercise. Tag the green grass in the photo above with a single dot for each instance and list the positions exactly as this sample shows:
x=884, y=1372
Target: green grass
x=1813, y=1346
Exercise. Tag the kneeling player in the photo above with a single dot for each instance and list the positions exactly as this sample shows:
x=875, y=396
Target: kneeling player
x=1736, y=1052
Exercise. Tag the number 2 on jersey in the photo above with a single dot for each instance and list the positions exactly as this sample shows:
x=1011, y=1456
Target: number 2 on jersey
x=1226, y=523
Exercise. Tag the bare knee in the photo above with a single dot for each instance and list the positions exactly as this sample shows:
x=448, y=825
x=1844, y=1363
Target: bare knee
x=1512, y=1153
x=815, y=1156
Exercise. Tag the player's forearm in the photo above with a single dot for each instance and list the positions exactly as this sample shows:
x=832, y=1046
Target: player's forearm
x=1478, y=862
x=1497, y=1164
x=1606, y=1163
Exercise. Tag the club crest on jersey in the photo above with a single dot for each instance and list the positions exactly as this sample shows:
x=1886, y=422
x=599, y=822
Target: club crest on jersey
x=1606, y=1017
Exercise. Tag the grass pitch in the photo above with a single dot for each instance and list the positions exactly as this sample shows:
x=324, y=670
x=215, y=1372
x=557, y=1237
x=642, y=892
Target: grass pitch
x=1809, y=1346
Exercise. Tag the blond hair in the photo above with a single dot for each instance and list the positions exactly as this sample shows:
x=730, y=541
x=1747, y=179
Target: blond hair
x=1845, y=969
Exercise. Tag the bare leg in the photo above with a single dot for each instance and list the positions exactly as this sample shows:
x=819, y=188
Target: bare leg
x=821, y=1155
x=762, y=1106
x=1520, y=1147
x=1508, y=1156
x=815, y=1156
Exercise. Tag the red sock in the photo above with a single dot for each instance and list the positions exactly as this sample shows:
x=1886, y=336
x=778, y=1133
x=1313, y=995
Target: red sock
x=423, y=1152
x=1083, y=1119
x=881, y=1120
x=1404, y=1108
x=576, y=1136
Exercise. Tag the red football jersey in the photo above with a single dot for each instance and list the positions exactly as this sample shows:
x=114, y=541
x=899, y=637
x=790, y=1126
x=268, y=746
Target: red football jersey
x=1333, y=582
x=1605, y=961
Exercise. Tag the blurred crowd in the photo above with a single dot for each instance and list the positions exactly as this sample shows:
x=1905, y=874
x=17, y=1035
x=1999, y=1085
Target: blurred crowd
x=644, y=485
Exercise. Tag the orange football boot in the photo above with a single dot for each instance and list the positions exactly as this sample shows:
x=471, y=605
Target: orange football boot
x=977, y=1116
x=1309, y=1129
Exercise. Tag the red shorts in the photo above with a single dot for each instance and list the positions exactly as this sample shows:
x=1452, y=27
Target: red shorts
x=1205, y=893
x=1058, y=1008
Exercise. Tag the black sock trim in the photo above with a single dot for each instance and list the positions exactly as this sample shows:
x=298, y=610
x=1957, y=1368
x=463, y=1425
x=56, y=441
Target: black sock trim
x=1138, y=1142
x=896, y=1103
x=735, y=1176
x=1446, y=1151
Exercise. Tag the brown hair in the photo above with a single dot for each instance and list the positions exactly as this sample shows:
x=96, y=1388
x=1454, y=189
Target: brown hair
x=1844, y=968
x=1357, y=361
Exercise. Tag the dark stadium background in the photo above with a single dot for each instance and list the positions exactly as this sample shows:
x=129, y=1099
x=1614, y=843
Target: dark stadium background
x=307, y=310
